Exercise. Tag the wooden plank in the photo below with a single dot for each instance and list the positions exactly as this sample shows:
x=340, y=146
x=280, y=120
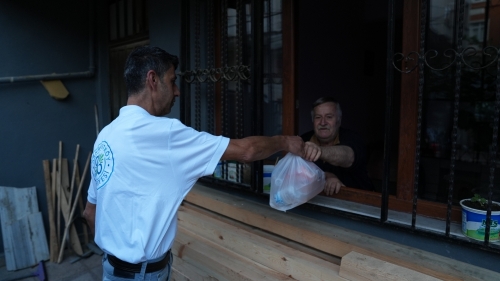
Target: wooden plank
x=20, y=201
x=23, y=256
x=220, y=262
x=53, y=243
x=25, y=243
x=191, y=271
x=73, y=175
x=81, y=206
x=65, y=177
x=66, y=230
x=274, y=255
x=290, y=59
x=271, y=237
x=408, y=104
x=333, y=239
x=8, y=215
x=176, y=275
x=37, y=237
x=73, y=238
x=58, y=191
x=54, y=196
x=359, y=267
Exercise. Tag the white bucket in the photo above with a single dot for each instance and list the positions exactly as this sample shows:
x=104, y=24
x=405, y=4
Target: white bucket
x=268, y=170
x=474, y=223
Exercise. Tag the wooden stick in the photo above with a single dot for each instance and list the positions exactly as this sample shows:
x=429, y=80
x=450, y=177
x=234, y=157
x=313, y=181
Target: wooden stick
x=58, y=187
x=73, y=210
x=82, y=207
x=53, y=183
x=75, y=162
x=50, y=206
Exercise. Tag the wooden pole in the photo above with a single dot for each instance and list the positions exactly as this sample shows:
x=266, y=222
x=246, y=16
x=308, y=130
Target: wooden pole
x=58, y=192
x=75, y=161
x=63, y=243
x=50, y=206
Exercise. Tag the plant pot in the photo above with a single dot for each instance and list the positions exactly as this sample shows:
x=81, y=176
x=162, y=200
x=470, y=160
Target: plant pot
x=474, y=223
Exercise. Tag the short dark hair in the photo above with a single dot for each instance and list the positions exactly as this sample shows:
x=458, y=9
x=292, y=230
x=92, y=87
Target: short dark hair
x=323, y=100
x=143, y=59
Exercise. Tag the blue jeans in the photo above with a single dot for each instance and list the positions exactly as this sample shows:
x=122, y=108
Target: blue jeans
x=161, y=275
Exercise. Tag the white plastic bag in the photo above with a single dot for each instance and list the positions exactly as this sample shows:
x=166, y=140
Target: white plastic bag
x=294, y=181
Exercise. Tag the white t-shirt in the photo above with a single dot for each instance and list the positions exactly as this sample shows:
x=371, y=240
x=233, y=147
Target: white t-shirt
x=142, y=168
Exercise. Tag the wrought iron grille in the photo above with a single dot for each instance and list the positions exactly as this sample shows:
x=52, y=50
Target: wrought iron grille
x=216, y=84
x=220, y=68
x=458, y=66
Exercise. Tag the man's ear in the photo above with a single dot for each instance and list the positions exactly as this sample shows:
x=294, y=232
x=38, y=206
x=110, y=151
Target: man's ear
x=151, y=79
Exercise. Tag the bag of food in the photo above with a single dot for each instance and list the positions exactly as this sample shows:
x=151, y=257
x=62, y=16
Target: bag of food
x=294, y=181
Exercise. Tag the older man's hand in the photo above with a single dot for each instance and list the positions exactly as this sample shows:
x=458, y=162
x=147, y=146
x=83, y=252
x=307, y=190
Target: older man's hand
x=332, y=184
x=312, y=151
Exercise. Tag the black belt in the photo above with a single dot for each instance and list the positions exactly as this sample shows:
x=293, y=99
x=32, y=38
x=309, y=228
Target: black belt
x=136, y=267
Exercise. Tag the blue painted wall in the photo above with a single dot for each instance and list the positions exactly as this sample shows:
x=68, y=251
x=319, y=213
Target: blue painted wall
x=45, y=37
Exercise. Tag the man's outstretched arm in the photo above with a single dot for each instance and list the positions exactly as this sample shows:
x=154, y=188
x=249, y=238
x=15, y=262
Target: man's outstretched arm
x=255, y=148
x=338, y=155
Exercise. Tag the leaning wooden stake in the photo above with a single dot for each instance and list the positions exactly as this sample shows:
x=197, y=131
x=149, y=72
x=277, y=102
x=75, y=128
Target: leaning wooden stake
x=50, y=206
x=73, y=176
x=63, y=242
x=58, y=190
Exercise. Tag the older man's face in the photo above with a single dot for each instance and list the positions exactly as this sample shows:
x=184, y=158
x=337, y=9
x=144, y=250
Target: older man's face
x=326, y=122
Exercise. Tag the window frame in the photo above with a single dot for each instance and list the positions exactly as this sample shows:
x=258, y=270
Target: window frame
x=403, y=200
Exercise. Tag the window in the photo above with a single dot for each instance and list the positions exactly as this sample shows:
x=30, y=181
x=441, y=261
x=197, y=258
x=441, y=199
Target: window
x=421, y=141
x=234, y=84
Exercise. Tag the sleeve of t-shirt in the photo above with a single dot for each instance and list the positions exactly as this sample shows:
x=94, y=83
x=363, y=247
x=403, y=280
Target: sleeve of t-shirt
x=201, y=151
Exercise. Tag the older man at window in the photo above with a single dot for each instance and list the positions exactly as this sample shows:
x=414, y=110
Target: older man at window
x=343, y=151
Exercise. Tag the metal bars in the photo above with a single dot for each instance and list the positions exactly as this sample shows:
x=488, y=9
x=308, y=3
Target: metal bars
x=423, y=24
x=458, y=76
x=388, y=113
x=493, y=153
x=459, y=60
x=216, y=46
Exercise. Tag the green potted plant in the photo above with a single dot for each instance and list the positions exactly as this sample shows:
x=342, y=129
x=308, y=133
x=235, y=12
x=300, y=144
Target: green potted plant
x=474, y=218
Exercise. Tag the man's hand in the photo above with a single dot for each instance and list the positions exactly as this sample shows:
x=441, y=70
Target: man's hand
x=89, y=215
x=332, y=184
x=312, y=151
x=295, y=145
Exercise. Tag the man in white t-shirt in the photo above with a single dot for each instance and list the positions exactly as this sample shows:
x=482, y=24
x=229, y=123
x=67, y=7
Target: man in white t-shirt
x=144, y=164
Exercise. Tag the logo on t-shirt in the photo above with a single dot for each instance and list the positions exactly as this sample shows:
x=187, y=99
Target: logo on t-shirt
x=103, y=164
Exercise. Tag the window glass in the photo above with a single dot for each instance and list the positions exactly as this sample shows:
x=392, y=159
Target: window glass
x=461, y=59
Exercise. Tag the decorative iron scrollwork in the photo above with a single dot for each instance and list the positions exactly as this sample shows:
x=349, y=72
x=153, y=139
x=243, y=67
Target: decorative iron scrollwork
x=489, y=54
x=229, y=73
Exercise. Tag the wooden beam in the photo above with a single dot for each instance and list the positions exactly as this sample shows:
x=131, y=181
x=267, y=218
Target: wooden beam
x=220, y=262
x=332, y=239
x=260, y=250
x=359, y=267
x=408, y=104
x=290, y=89
x=64, y=199
x=187, y=269
x=53, y=243
x=262, y=233
x=66, y=230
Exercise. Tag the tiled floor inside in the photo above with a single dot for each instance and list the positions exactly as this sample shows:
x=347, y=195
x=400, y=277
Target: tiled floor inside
x=85, y=269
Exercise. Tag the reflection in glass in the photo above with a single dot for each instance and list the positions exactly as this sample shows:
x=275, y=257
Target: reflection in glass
x=469, y=66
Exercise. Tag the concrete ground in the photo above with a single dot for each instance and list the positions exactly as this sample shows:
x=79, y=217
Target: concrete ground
x=85, y=269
